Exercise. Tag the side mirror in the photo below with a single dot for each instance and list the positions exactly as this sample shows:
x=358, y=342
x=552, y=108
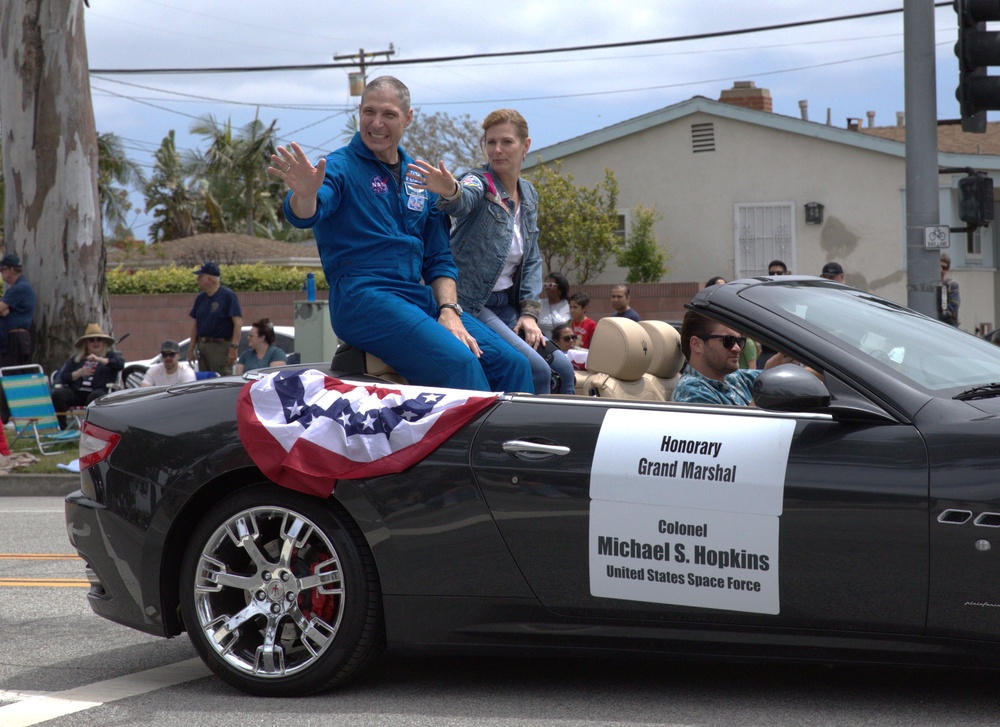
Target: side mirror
x=790, y=388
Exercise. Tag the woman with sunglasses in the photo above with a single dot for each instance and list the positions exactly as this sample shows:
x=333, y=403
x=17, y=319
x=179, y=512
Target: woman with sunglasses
x=88, y=372
x=494, y=239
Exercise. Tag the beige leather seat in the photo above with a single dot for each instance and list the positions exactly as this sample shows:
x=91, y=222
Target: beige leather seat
x=374, y=366
x=667, y=359
x=620, y=354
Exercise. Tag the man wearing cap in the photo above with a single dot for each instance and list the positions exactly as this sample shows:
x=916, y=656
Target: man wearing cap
x=17, y=307
x=170, y=370
x=833, y=271
x=218, y=323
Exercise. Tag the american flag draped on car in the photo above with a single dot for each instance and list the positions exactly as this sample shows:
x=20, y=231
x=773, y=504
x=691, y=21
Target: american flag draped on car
x=305, y=430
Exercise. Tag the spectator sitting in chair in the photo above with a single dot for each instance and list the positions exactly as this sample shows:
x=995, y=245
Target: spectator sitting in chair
x=262, y=352
x=568, y=341
x=88, y=372
x=170, y=370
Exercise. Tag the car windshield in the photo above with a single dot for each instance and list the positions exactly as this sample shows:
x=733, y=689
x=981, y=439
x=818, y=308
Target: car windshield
x=933, y=356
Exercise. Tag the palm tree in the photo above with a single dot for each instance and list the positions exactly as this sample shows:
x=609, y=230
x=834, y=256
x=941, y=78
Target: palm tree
x=235, y=167
x=171, y=195
x=115, y=168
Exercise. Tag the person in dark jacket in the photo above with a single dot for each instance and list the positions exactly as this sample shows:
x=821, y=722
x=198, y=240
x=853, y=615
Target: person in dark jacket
x=88, y=372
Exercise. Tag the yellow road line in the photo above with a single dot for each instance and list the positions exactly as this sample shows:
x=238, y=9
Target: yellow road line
x=39, y=556
x=44, y=582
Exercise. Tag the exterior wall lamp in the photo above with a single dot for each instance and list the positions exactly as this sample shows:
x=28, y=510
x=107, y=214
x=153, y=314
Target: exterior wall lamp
x=814, y=213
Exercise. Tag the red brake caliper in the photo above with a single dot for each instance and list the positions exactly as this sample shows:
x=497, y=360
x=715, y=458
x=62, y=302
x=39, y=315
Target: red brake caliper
x=312, y=602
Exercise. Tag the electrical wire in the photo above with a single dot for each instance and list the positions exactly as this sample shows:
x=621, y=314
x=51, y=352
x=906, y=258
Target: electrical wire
x=509, y=54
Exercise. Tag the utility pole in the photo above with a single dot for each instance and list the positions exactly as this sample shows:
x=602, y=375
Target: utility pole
x=359, y=80
x=922, y=209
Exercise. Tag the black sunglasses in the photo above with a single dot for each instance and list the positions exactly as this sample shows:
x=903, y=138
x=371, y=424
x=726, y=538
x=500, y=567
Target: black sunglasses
x=168, y=354
x=727, y=340
x=567, y=339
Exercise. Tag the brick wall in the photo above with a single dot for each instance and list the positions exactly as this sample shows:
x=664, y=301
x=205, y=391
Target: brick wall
x=151, y=319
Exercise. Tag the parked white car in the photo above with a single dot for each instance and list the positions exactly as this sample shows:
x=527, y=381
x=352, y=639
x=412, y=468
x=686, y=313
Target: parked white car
x=284, y=338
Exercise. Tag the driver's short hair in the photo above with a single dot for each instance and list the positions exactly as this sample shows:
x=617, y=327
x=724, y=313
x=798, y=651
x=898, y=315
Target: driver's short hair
x=694, y=324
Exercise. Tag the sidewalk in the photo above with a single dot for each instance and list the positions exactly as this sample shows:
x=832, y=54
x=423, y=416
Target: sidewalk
x=14, y=485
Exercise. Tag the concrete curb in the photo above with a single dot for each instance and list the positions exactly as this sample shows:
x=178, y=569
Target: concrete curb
x=38, y=485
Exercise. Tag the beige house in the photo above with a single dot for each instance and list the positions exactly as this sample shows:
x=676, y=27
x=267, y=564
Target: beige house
x=733, y=184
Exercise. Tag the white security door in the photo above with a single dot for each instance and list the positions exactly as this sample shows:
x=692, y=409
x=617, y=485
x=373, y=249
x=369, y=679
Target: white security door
x=764, y=232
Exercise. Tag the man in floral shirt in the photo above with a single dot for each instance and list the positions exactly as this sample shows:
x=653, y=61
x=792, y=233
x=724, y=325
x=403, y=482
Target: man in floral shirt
x=713, y=352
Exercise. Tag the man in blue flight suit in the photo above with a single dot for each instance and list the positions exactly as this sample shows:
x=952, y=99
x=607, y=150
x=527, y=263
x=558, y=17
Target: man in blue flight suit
x=379, y=239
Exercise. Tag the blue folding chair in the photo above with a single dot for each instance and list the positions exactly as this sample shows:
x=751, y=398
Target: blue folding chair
x=31, y=410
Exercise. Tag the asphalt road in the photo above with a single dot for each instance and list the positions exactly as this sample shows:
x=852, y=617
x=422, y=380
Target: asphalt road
x=61, y=665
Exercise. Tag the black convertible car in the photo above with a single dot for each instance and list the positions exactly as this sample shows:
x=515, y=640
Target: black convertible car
x=845, y=518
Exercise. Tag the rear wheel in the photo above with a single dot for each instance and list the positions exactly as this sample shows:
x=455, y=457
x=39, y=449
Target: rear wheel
x=279, y=593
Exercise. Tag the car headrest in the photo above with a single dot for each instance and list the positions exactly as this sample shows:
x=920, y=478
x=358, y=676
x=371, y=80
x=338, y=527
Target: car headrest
x=619, y=348
x=668, y=359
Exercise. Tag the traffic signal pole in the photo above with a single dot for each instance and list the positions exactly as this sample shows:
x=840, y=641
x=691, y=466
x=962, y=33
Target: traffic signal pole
x=922, y=209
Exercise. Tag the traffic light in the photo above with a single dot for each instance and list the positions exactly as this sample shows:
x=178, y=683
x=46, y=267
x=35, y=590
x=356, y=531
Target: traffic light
x=975, y=200
x=977, y=49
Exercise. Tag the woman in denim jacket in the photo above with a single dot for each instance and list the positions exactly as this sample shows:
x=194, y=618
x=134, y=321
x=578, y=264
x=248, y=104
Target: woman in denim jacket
x=494, y=240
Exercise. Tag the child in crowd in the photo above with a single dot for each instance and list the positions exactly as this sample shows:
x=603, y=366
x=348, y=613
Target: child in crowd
x=582, y=325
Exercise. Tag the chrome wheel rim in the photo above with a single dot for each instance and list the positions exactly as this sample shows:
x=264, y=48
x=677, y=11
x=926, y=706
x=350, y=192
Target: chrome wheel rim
x=269, y=592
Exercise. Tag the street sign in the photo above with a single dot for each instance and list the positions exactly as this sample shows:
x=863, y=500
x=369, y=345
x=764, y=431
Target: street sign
x=937, y=237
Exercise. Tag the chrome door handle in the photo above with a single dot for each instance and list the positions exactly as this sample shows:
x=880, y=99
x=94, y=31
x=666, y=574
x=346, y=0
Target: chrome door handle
x=518, y=446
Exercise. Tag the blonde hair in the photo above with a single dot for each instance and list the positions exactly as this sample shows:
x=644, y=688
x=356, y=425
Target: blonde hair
x=505, y=116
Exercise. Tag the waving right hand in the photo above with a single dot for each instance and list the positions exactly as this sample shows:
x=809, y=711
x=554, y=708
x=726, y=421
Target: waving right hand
x=293, y=167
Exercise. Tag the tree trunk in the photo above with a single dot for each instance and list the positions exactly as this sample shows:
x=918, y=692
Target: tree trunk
x=52, y=209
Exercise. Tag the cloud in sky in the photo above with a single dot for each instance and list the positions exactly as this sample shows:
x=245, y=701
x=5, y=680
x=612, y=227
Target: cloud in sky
x=849, y=67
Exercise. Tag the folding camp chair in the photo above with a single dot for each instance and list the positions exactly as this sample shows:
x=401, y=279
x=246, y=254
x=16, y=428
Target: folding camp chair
x=31, y=410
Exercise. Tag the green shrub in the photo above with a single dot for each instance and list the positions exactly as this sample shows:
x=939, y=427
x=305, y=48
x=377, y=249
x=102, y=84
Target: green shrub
x=241, y=278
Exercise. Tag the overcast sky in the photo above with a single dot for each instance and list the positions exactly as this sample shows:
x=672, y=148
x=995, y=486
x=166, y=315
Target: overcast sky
x=848, y=67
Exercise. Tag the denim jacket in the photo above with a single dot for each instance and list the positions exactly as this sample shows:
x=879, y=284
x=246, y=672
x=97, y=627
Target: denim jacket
x=481, y=233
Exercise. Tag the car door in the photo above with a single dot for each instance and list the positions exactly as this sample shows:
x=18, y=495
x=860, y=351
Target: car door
x=633, y=510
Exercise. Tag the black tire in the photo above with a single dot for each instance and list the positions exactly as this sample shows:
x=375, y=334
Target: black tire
x=132, y=376
x=280, y=595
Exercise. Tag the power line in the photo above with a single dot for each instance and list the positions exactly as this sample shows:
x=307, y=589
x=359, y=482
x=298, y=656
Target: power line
x=510, y=54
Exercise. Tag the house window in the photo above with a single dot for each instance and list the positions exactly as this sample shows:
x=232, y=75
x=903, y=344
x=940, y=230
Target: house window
x=621, y=228
x=764, y=232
